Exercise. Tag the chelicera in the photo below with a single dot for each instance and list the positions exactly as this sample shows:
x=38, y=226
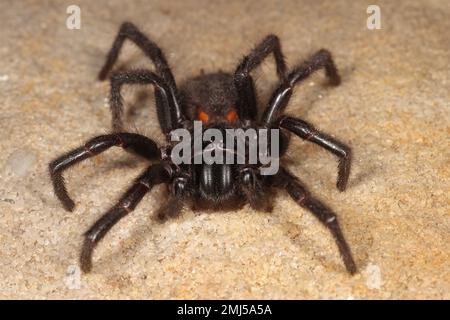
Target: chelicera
x=219, y=100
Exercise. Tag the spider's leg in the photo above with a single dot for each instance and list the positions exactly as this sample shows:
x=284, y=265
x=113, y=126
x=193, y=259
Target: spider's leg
x=308, y=132
x=151, y=49
x=140, y=144
x=243, y=80
x=155, y=174
x=280, y=99
x=168, y=109
x=328, y=218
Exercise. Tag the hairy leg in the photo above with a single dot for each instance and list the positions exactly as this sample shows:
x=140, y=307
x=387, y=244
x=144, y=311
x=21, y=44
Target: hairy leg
x=130, y=31
x=320, y=60
x=141, y=144
x=325, y=215
x=243, y=80
x=171, y=209
x=153, y=175
x=306, y=131
x=167, y=106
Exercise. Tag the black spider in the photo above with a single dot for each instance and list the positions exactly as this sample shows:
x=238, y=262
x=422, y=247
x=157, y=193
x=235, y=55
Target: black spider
x=219, y=100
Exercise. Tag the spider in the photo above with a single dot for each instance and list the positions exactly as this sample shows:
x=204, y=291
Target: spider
x=219, y=100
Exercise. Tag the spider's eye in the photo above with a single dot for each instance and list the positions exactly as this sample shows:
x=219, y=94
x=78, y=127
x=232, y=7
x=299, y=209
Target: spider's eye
x=203, y=117
x=232, y=116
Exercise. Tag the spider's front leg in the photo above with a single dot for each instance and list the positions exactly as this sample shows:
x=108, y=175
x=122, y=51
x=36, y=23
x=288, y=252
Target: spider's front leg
x=138, y=143
x=280, y=99
x=308, y=132
x=155, y=174
x=130, y=31
x=167, y=106
x=327, y=217
x=243, y=80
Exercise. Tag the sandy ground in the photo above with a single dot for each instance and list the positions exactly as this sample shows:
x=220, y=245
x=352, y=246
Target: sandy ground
x=393, y=108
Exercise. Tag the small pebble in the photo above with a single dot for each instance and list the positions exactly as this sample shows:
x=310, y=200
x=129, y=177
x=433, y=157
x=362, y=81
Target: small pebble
x=20, y=161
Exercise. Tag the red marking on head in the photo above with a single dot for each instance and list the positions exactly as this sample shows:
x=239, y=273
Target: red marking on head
x=203, y=116
x=232, y=116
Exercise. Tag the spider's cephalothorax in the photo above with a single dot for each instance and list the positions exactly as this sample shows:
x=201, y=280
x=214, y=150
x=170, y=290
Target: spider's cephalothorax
x=220, y=101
